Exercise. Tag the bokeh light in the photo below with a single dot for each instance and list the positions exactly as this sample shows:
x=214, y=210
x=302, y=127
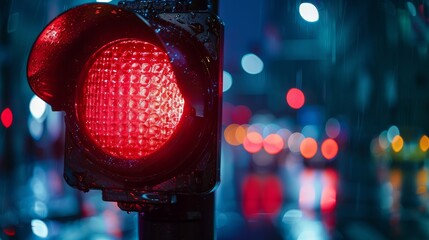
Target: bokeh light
x=35, y=128
x=397, y=143
x=39, y=228
x=329, y=149
x=253, y=142
x=234, y=134
x=270, y=129
x=256, y=127
x=295, y=98
x=310, y=131
x=7, y=117
x=308, y=12
x=307, y=192
x=285, y=134
x=294, y=141
x=308, y=148
x=328, y=198
x=250, y=191
x=411, y=8
x=273, y=143
x=424, y=143
x=227, y=81
x=252, y=64
x=241, y=114
x=37, y=107
x=421, y=180
x=272, y=196
x=229, y=134
x=383, y=141
x=332, y=128
x=392, y=133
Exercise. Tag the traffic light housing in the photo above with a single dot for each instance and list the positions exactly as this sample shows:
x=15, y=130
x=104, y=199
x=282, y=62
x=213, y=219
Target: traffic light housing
x=141, y=91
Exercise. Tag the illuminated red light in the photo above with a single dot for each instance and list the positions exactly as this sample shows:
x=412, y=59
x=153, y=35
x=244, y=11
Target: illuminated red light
x=129, y=103
x=329, y=149
x=295, y=98
x=7, y=118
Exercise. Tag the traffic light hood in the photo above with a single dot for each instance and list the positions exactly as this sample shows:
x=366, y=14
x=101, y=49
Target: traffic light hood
x=68, y=42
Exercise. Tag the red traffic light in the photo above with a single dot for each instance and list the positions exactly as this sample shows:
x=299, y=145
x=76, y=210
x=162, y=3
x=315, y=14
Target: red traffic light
x=129, y=103
x=141, y=96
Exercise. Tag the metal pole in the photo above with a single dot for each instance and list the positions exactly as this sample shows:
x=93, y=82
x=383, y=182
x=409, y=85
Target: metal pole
x=191, y=217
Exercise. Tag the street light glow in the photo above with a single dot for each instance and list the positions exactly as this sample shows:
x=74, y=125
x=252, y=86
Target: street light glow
x=252, y=64
x=309, y=12
x=37, y=107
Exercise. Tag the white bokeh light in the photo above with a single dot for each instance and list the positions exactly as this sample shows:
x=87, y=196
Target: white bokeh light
x=37, y=107
x=252, y=64
x=309, y=12
x=39, y=228
x=227, y=81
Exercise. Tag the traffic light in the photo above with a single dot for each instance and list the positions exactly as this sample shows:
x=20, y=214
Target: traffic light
x=140, y=85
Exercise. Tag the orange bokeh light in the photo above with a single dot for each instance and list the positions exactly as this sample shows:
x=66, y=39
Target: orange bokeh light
x=329, y=149
x=424, y=143
x=234, y=134
x=308, y=148
x=397, y=143
x=229, y=134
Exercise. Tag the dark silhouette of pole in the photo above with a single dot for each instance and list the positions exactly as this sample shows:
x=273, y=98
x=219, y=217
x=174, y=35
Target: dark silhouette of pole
x=191, y=217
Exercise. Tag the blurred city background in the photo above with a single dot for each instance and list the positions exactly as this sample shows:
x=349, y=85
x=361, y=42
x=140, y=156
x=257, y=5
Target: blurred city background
x=325, y=126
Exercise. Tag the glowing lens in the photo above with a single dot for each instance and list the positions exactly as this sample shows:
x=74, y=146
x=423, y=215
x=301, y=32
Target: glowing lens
x=130, y=103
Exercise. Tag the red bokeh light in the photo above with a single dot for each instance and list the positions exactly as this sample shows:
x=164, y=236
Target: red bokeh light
x=129, y=103
x=251, y=188
x=9, y=231
x=262, y=196
x=273, y=143
x=329, y=149
x=328, y=198
x=7, y=118
x=241, y=114
x=295, y=98
x=253, y=142
x=272, y=195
